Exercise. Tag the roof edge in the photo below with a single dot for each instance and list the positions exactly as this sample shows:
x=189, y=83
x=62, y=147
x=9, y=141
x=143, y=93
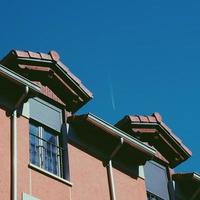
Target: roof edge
x=193, y=175
x=9, y=74
x=117, y=133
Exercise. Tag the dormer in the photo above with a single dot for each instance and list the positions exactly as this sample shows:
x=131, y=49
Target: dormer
x=152, y=130
x=51, y=75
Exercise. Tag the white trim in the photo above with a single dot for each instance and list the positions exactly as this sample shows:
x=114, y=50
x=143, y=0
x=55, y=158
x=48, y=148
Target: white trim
x=26, y=110
x=196, y=176
x=50, y=174
x=141, y=172
x=28, y=197
x=4, y=71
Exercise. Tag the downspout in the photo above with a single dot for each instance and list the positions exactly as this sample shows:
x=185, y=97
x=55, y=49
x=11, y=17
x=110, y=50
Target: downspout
x=110, y=171
x=14, y=143
x=111, y=180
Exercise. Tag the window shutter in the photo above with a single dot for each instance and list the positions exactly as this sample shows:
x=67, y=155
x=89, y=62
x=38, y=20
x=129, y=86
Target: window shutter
x=45, y=113
x=156, y=179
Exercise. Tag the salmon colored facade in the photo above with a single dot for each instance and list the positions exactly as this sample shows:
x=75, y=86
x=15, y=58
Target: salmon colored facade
x=89, y=179
x=129, y=188
x=48, y=152
x=87, y=174
x=5, y=175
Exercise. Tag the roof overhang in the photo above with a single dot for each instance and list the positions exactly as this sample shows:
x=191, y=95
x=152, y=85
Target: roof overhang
x=189, y=184
x=18, y=79
x=157, y=134
x=12, y=86
x=188, y=177
x=48, y=69
x=106, y=137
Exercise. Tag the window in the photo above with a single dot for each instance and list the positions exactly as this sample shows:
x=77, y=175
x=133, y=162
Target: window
x=151, y=196
x=45, y=151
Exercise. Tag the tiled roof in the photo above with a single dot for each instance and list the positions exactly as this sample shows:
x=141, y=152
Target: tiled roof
x=152, y=129
x=51, y=56
x=156, y=118
x=37, y=61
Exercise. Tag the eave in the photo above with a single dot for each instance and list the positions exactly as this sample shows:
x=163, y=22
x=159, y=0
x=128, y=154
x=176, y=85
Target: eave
x=12, y=87
x=90, y=126
x=187, y=177
x=18, y=79
x=188, y=184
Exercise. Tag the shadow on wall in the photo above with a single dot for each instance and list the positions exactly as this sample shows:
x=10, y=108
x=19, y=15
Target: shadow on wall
x=101, y=146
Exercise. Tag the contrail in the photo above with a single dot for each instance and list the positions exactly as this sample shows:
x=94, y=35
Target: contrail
x=111, y=93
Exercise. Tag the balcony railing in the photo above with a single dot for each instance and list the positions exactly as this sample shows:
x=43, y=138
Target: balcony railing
x=46, y=155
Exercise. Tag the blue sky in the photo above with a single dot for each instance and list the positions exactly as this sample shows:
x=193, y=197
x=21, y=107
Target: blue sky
x=137, y=57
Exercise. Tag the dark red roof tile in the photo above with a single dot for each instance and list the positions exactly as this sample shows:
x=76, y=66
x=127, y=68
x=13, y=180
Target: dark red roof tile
x=23, y=54
x=54, y=55
x=45, y=56
x=143, y=119
x=152, y=119
x=157, y=116
x=34, y=55
x=134, y=118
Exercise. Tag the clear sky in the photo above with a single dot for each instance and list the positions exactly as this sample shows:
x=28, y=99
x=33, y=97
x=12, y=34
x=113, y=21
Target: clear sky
x=137, y=57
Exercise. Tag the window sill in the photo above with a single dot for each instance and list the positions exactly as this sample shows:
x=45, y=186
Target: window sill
x=43, y=171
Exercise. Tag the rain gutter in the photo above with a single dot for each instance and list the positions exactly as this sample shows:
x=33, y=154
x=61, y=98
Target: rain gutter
x=120, y=134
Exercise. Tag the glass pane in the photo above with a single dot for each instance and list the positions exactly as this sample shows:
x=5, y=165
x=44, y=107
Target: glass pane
x=51, y=152
x=44, y=148
x=50, y=137
x=33, y=129
x=34, y=144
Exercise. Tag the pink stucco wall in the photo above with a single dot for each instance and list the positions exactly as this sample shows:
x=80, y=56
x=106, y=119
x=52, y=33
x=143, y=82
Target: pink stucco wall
x=128, y=188
x=88, y=175
x=5, y=156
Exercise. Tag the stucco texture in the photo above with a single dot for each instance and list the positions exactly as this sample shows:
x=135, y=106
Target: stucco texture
x=128, y=188
x=88, y=175
x=5, y=172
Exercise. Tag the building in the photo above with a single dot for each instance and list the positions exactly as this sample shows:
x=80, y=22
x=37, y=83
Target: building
x=48, y=152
